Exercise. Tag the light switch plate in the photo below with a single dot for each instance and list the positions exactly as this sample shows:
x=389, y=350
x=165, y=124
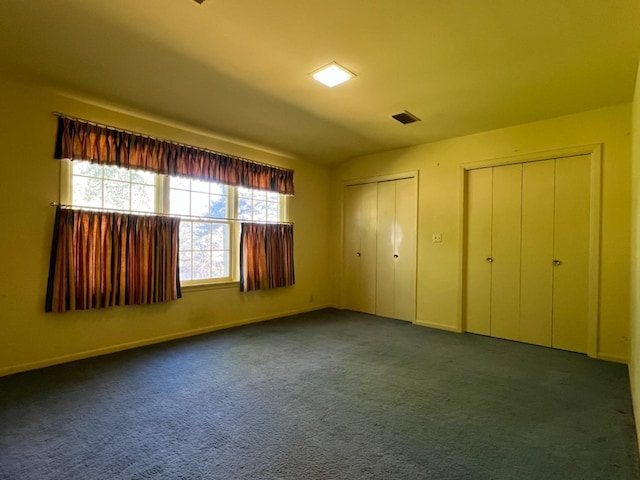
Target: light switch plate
x=437, y=237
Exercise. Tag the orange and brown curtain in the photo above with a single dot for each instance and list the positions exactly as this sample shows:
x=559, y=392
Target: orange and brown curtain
x=80, y=140
x=266, y=256
x=102, y=259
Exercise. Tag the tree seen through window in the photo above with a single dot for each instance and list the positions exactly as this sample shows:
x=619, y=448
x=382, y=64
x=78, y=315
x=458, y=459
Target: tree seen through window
x=210, y=212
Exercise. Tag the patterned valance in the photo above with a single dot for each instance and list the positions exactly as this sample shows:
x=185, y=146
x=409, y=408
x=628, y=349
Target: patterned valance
x=81, y=140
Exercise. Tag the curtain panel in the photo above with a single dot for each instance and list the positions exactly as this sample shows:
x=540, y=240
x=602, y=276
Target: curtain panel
x=80, y=140
x=102, y=259
x=266, y=256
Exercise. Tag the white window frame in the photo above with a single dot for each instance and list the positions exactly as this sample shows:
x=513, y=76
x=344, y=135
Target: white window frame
x=162, y=207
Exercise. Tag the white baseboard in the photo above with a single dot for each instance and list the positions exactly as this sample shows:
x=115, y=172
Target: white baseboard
x=439, y=326
x=612, y=358
x=148, y=341
x=635, y=401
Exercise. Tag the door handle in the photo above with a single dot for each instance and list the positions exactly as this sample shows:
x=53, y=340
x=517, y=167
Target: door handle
x=358, y=254
x=395, y=255
x=557, y=263
x=489, y=260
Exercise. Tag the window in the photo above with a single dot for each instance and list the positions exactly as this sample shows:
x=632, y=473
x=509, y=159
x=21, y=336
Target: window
x=112, y=188
x=205, y=246
x=258, y=205
x=210, y=212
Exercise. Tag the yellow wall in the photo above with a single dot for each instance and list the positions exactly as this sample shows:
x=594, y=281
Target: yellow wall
x=29, y=338
x=634, y=365
x=439, y=208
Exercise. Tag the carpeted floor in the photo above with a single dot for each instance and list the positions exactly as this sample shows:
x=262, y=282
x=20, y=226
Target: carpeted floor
x=325, y=395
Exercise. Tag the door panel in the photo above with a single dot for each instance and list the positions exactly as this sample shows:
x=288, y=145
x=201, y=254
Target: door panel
x=405, y=248
x=368, y=247
x=505, y=274
x=571, y=277
x=385, y=297
x=478, y=249
x=536, y=291
x=351, y=246
x=359, y=251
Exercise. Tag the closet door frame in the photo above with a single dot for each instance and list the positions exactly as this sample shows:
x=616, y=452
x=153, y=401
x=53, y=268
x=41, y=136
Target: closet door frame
x=412, y=174
x=594, y=151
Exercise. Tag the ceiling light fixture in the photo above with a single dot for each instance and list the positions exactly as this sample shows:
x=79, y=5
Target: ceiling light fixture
x=332, y=75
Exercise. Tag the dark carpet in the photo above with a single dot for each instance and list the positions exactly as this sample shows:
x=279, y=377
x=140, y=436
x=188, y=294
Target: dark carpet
x=325, y=395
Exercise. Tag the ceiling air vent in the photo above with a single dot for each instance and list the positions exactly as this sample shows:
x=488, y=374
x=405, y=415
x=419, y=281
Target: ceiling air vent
x=405, y=117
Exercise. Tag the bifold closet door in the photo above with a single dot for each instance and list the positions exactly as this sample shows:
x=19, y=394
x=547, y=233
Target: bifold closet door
x=396, y=249
x=478, y=251
x=359, y=250
x=536, y=262
x=385, y=285
x=527, y=253
x=571, y=253
x=505, y=252
x=494, y=199
x=406, y=247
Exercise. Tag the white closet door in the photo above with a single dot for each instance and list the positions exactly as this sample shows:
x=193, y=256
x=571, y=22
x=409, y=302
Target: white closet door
x=505, y=268
x=359, y=249
x=404, y=254
x=396, y=285
x=386, y=274
x=571, y=254
x=351, y=247
x=536, y=229
x=379, y=250
x=536, y=292
x=478, y=250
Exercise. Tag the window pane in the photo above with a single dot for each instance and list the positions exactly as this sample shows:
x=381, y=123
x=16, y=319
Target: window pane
x=218, y=208
x=116, y=173
x=218, y=189
x=260, y=195
x=87, y=192
x=185, y=266
x=179, y=182
x=140, y=176
x=220, y=264
x=201, y=265
x=143, y=197
x=273, y=212
x=200, y=204
x=116, y=195
x=201, y=236
x=199, y=186
x=244, y=209
x=244, y=192
x=273, y=197
x=185, y=236
x=259, y=210
x=220, y=234
x=179, y=202
x=86, y=168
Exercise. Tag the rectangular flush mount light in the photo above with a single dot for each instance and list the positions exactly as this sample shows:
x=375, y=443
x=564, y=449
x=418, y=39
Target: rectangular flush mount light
x=332, y=75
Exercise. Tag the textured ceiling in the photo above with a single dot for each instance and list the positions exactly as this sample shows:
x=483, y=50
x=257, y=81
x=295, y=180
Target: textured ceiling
x=240, y=67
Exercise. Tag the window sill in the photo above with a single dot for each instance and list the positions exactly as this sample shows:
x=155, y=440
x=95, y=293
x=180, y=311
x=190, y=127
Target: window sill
x=210, y=286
